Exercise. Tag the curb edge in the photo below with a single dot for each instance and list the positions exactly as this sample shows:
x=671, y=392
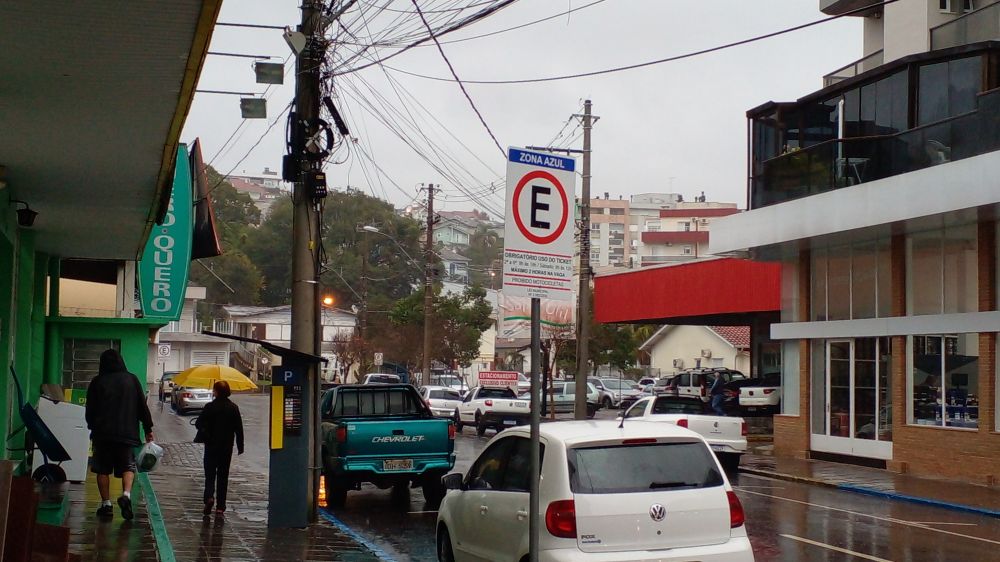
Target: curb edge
x=164, y=548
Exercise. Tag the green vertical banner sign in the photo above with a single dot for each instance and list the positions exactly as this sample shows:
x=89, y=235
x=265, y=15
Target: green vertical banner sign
x=163, y=270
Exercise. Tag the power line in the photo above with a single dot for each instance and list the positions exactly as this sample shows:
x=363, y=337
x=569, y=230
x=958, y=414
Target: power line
x=460, y=85
x=642, y=64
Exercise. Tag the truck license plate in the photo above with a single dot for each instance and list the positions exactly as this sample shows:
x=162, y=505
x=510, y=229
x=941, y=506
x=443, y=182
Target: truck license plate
x=510, y=422
x=520, y=404
x=718, y=447
x=397, y=464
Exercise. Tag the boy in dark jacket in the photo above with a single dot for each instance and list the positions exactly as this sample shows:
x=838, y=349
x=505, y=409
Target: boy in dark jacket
x=220, y=424
x=116, y=405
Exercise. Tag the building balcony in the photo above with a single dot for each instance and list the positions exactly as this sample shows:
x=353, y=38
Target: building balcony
x=917, y=112
x=675, y=237
x=850, y=70
x=974, y=27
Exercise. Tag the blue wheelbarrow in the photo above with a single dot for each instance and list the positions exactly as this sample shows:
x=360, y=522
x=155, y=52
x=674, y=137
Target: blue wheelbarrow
x=40, y=436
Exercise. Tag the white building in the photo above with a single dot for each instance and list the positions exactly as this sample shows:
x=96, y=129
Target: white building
x=180, y=344
x=672, y=348
x=878, y=195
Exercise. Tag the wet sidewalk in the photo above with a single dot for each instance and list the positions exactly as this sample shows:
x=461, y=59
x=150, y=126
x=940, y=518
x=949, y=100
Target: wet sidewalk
x=93, y=539
x=947, y=494
x=242, y=534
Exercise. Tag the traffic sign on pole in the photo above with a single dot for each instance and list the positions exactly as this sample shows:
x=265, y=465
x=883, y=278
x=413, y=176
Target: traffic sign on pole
x=538, y=237
x=163, y=350
x=378, y=359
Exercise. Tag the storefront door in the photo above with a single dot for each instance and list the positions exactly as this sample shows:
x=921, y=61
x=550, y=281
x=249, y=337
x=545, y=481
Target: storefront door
x=858, y=409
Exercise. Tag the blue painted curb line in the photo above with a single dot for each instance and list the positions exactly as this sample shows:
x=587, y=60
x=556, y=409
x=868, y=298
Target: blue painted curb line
x=343, y=528
x=916, y=499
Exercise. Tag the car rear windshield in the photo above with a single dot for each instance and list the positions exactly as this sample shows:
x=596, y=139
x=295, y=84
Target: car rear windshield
x=496, y=393
x=672, y=405
x=445, y=394
x=624, y=469
x=387, y=379
x=378, y=402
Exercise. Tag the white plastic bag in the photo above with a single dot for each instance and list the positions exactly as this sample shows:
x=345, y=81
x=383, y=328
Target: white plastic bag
x=149, y=457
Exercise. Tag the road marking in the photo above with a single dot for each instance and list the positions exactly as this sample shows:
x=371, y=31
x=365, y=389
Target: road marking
x=888, y=519
x=742, y=486
x=943, y=523
x=835, y=548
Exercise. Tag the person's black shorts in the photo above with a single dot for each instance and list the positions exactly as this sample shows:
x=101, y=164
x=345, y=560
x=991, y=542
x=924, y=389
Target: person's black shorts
x=110, y=457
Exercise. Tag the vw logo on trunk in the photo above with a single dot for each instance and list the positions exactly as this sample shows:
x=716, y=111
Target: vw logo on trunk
x=657, y=512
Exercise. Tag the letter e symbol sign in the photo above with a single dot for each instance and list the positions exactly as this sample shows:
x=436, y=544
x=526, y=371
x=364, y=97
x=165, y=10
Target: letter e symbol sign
x=538, y=206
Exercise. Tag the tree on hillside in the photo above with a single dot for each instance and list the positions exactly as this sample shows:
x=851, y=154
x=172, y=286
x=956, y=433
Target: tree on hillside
x=485, y=253
x=269, y=247
x=459, y=322
x=232, y=277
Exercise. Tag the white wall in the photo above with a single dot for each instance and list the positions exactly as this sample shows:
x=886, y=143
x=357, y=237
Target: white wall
x=686, y=342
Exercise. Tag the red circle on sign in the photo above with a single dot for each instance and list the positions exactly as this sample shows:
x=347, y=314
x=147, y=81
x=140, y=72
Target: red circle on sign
x=517, y=211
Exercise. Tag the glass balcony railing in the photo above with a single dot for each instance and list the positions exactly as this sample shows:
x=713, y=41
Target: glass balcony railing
x=980, y=25
x=845, y=162
x=851, y=70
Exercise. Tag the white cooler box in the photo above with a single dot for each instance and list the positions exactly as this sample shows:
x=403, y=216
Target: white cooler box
x=69, y=424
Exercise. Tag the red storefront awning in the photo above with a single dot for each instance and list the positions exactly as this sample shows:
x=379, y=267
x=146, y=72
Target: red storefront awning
x=726, y=291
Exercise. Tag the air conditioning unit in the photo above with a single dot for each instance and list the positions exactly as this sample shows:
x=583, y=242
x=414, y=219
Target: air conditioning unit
x=706, y=353
x=678, y=363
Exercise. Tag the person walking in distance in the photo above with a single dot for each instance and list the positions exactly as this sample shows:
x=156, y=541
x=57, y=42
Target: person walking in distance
x=718, y=394
x=219, y=424
x=116, y=405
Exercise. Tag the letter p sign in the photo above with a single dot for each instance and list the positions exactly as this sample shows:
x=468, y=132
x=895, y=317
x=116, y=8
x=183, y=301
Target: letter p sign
x=536, y=205
x=287, y=376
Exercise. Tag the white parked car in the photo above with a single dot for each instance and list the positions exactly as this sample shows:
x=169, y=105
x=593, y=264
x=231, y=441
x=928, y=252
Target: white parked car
x=498, y=407
x=763, y=394
x=442, y=400
x=726, y=435
x=377, y=378
x=644, y=492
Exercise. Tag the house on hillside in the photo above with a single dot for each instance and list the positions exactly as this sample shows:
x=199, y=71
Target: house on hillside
x=673, y=348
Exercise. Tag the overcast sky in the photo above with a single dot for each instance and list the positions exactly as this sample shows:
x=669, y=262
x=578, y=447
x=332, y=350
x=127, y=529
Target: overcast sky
x=674, y=127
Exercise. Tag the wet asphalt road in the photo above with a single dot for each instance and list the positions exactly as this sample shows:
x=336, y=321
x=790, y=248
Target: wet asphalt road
x=786, y=521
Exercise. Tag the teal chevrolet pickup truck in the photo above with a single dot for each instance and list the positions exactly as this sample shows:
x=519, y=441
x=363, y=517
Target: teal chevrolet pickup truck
x=386, y=435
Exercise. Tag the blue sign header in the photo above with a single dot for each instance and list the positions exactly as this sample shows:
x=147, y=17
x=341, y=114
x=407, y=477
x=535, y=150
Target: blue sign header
x=542, y=159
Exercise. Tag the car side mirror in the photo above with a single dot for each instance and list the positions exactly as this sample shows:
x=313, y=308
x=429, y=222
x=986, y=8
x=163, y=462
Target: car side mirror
x=453, y=481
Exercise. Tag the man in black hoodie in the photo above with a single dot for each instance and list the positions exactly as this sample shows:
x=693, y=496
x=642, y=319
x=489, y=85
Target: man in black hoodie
x=116, y=405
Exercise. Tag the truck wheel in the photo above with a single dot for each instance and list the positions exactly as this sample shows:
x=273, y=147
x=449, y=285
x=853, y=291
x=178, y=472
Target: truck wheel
x=730, y=462
x=336, y=495
x=591, y=410
x=480, y=426
x=434, y=490
x=401, y=493
x=458, y=423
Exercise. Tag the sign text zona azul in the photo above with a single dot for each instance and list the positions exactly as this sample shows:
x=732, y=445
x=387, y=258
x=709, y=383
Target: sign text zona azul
x=541, y=159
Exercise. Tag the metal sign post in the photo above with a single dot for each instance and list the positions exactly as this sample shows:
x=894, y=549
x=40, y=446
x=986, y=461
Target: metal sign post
x=536, y=418
x=538, y=264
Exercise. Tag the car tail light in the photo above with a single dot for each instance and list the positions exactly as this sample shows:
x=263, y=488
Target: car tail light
x=743, y=429
x=729, y=392
x=187, y=395
x=640, y=441
x=451, y=431
x=682, y=423
x=341, y=433
x=560, y=519
x=488, y=402
x=769, y=390
x=736, y=515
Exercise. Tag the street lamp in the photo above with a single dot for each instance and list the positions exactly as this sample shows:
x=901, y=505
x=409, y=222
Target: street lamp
x=375, y=230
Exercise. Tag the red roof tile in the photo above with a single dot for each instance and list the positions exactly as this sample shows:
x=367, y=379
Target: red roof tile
x=737, y=336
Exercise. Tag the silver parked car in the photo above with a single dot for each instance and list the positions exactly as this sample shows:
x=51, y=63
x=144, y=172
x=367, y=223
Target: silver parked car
x=185, y=399
x=442, y=400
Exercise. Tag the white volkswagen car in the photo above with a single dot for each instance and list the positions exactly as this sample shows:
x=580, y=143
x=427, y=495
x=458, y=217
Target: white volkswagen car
x=642, y=492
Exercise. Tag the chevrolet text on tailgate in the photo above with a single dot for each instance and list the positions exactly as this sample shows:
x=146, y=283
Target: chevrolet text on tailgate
x=386, y=435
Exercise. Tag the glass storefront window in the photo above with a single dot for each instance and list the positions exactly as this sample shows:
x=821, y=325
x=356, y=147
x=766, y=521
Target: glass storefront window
x=942, y=271
x=864, y=269
x=961, y=280
x=818, y=284
x=838, y=283
x=944, y=380
x=924, y=261
x=884, y=278
x=818, y=387
x=851, y=281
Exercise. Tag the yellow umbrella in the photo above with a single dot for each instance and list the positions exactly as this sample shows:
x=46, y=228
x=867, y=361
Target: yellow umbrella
x=204, y=376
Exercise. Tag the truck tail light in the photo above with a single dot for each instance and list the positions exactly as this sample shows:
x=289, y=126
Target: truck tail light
x=743, y=429
x=560, y=519
x=703, y=390
x=488, y=402
x=682, y=423
x=451, y=431
x=736, y=515
x=341, y=433
x=769, y=390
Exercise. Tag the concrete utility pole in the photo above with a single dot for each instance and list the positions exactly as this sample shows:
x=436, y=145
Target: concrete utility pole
x=305, y=237
x=583, y=296
x=428, y=284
